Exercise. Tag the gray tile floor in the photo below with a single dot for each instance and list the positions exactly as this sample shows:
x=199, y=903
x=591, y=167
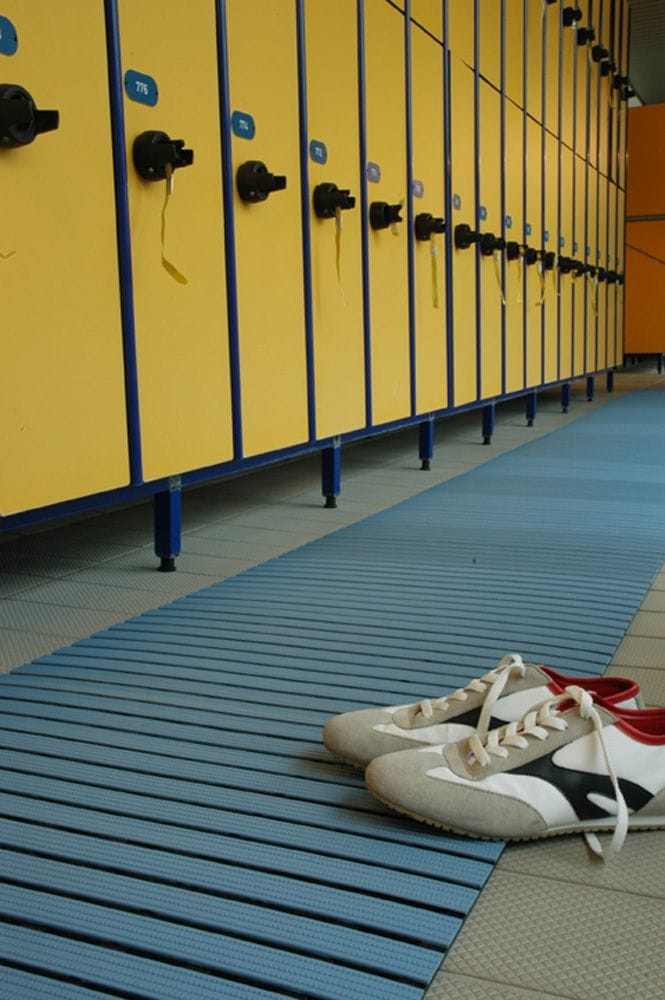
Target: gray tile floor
x=552, y=922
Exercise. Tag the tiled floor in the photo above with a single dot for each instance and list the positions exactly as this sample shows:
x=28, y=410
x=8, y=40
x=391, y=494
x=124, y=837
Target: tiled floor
x=552, y=922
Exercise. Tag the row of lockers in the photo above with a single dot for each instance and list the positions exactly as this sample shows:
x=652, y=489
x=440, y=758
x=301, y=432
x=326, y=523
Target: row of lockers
x=565, y=63
x=225, y=239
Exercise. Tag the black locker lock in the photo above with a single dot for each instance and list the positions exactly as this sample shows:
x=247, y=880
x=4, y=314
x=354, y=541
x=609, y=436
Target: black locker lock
x=548, y=257
x=20, y=120
x=153, y=151
x=591, y=271
x=627, y=93
x=571, y=15
x=611, y=277
x=530, y=256
x=465, y=236
x=255, y=182
x=513, y=250
x=620, y=279
x=383, y=216
x=599, y=52
x=601, y=273
x=586, y=35
x=579, y=267
x=328, y=198
x=427, y=226
x=566, y=264
x=489, y=243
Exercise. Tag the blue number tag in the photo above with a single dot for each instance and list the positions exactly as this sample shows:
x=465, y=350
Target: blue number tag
x=418, y=189
x=8, y=37
x=527, y=229
x=457, y=202
x=546, y=236
x=373, y=173
x=588, y=251
x=242, y=125
x=562, y=241
x=482, y=213
x=509, y=222
x=318, y=151
x=141, y=87
x=576, y=247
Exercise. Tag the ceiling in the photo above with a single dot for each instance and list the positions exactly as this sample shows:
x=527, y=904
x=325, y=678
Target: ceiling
x=647, y=49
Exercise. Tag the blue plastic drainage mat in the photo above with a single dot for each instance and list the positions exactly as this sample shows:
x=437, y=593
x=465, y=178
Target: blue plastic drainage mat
x=171, y=826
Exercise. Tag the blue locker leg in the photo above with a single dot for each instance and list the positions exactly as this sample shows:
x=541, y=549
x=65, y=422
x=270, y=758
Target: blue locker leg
x=488, y=423
x=331, y=471
x=167, y=508
x=610, y=380
x=426, y=443
x=565, y=397
x=590, y=385
x=531, y=407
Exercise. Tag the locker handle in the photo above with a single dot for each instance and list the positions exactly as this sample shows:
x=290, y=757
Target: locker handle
x=627, y=93
x=514, y=250
x=20, y=119
x=620, y=279
x=580, y=268
x=548, y=257
x=152, y=151
x=530, y=256
x=255, y=182
x=566, y=264
x=607, y=67
x=328, y=198
x=611, y=277
x=489, y=243
x=601, y=274
x=383, y=216
x=599, y=52
x=427, y=226
x=585, y=35
x=571, y=15
x=464, y=236
x=620, y=81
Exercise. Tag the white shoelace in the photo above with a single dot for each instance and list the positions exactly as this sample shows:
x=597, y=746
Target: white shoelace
x=536, y=724
x=494, y=682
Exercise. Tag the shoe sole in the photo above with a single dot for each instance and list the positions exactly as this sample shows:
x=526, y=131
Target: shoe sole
x=640, y=825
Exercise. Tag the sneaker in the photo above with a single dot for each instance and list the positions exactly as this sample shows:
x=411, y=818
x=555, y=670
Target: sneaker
x=572, y=764
x=503, y=695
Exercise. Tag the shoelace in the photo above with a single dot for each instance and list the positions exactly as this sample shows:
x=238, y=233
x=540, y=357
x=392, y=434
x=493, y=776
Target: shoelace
x=494, y=682
x=536, y=724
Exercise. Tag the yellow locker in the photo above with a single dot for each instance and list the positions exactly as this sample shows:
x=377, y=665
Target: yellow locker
x=535, y=20
x=336, y=242
x=568, y=90
x=181, y=329
x=489, y=41
x=268, y=232
x=612, y=268
x=550, y=244
x=603, y=263
x=595, y=82
x=463, y=219
x=461, y=31
x=593, y=285
x=514, y=32
x=534, y=239
x=489, y=212
x=552, y=14
x=565, y=271
x=388, y=251
x=62, y=406
x=624, y=112
x=583, y=62
x=428, y=14
x=579, y=280
x=429, y=290
x=605, y=91
x=514, y=222
x=621, y=269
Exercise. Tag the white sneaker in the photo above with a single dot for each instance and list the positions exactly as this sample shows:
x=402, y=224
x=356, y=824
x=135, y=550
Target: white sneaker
x=503, y=695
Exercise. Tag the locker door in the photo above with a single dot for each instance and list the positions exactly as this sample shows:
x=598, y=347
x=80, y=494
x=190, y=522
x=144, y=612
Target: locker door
x=568, y=83
x=181, y=330
x=514, y=30
x=336, y=246
x=462, y=156
x=603, y=263
x=612, y=286
x=489, y=41
x=535, y=20
x=566, y=332
x=489, y=212
x=388, y=253
x=616, y=104
x=534, y=239
x=552, y=67
x=514, y=223
x=593, y=285
x=595, y=81
x=624, y=116
x=579, y=284
x=605, y=93
x=550, y=243
x=62, y=405
x=268, y=234
x=461, y=29
x=428, y=14
x=428, y=199
x=583, y=63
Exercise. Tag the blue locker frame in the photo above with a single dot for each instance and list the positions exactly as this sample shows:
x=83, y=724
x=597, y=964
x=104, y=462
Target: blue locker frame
x=167, y=491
